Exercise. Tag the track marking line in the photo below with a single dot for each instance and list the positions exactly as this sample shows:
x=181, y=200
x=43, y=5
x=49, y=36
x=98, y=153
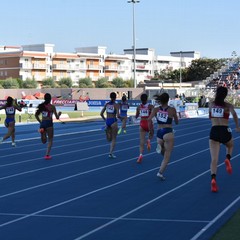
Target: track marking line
x=109, y=218
x=215, y=219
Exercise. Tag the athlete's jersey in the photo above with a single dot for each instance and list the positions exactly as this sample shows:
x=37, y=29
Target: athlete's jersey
x=162, y=116
x=123, y=109
x=144, y=110
x=110, y=108
x=47, y=113
x=10, y=110
x=218, y=112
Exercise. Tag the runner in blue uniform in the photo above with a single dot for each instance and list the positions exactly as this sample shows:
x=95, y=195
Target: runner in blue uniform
x=112, y=110
x=123, y=108
x=165, y=137
x=10, y=109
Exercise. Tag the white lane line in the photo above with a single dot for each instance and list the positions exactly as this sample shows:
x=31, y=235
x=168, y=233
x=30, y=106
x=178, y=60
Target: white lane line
x=95, y=191
x=94, y=170
x=80, y=160
x=109, y=218
x=138, y=208
x=215, y=219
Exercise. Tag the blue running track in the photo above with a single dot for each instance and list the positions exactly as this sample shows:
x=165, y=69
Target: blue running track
x=82, y=194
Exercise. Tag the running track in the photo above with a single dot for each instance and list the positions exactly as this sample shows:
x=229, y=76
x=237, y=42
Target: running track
x=82, y=194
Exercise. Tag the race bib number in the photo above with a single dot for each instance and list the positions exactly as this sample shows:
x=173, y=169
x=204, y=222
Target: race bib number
x=110, y=108
x=45, y=114
x=144, y=112
x=124, y=107
x=162, y=116
x=10, y=110
x=217, y=112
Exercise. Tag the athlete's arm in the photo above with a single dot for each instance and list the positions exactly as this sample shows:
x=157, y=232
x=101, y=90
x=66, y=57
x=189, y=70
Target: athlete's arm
x=102, y=112
x=57, y=115
x=175, y=117
x=37, y=116
x=153, y=113
x=137, y=113
x=235, y=117
x=117, y=110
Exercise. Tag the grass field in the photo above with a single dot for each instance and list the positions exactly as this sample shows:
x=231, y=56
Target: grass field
x=231, y=230
x=31, y=118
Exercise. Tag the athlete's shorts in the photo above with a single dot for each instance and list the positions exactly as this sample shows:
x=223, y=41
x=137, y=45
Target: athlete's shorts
x=144, y=125
x=123, y=114
x=110, y=121
x=162, y=131
x=222, y=134
x=46, y=124
x=7, y=121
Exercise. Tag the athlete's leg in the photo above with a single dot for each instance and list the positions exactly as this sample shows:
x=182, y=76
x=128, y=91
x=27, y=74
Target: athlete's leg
x=229, y=149
x=168, y=147
x=49, y=131
x=214, y=151
x=11, y=129
x=114, y=131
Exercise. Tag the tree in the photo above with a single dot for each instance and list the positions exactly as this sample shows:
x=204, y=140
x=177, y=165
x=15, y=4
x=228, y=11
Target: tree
x=118, y=82
x=85, y=82
x=20, y=82
x=29, y=83
x=48, y=83
x=65, y=82
x=129, y=83
x=10, y=83
x=202, y=68
x=103, y=83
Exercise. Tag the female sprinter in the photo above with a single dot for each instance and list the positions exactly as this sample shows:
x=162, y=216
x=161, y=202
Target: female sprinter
x=10, y=109
x=123, y=108
x=112, y=110
x=46, y=124
x=219, y=111
x=165, y=137
x=143, y=111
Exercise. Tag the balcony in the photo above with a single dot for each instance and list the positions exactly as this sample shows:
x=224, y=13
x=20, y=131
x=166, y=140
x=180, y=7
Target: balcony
x=111, y=68
x=60, y=66
x=25, y=65
x=93, y=67
x=39, y=66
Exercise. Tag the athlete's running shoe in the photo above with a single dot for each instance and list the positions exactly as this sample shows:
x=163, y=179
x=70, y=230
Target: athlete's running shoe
x=228, y=166
x=162, y=178
x=14, y=144
x=111, y=155
x=159, y=148
x=214, y=187
x=47, y=157
x=120, y=130
x=140, y=158
x=148, y=145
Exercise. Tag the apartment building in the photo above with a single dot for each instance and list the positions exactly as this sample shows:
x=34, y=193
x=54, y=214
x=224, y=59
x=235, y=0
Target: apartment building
x=39, y=61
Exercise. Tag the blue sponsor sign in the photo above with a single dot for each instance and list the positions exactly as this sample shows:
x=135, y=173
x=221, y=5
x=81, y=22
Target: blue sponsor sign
x=101, y=103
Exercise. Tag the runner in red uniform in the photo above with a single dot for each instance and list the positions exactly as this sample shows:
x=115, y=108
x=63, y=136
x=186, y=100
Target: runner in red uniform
x=143, y=111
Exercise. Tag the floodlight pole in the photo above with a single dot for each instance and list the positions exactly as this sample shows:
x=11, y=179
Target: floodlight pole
x=134, y=42
x=180, y=80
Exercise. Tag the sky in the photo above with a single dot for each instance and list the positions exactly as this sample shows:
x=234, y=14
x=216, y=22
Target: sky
x=207, y=26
